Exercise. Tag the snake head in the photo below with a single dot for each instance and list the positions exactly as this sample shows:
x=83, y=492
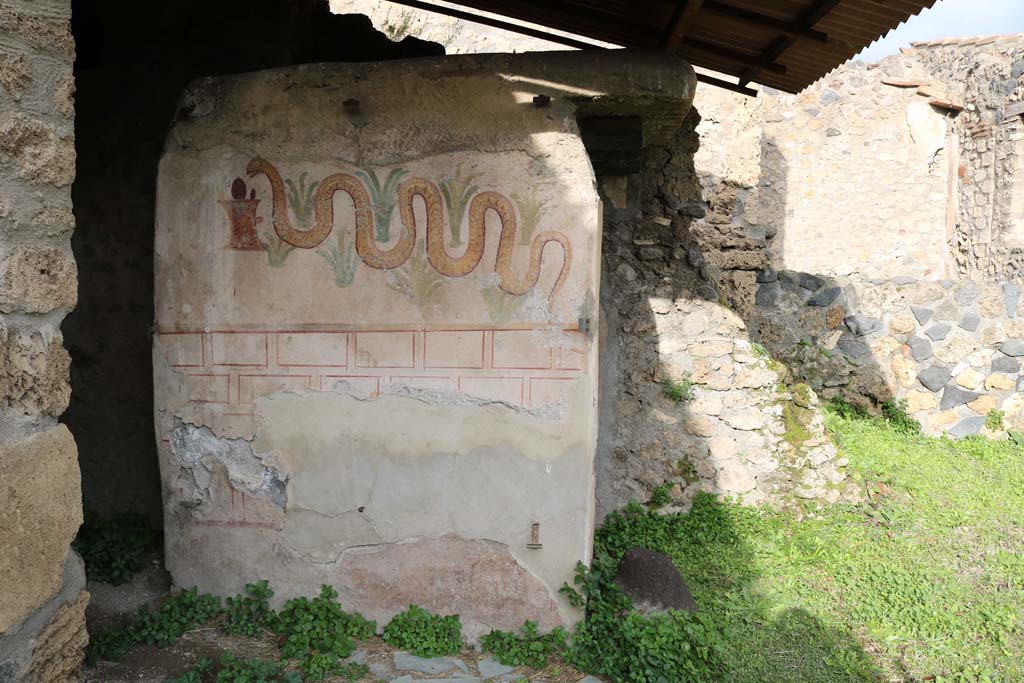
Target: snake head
x=257, y=166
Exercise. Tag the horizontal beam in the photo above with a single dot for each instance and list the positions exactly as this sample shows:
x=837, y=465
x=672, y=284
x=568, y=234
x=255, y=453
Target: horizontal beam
x=719, y=83
x=757, y=19
x=498, y=23
x=680, y=23
x=758, y=62
x=551, y=37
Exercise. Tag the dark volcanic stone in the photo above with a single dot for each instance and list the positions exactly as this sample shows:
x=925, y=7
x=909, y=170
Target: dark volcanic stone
x=1013, y=347
x=768, y=295
x=652, y=582
x=938, y=331
x=1010, y=366
x=967, y=426
x=811, y=282
x=920, y=348
x=863, y=325
x=970, y=321
x=953, y=396
x=922, y=314
x=824, y=297
x=934, y=378
x=767, y=275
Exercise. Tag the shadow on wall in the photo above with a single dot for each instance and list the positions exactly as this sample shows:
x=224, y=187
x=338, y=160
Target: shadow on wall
x=133, y=61
x=694, y=399
x=689, y=398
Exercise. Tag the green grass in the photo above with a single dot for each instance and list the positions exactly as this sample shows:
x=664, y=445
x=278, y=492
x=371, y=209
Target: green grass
x=922, y=582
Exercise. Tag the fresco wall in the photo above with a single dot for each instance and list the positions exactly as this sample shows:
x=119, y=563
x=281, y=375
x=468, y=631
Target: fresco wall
x=375, y=359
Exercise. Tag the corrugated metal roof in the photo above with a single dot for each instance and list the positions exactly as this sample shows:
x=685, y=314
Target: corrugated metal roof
x=784, y=44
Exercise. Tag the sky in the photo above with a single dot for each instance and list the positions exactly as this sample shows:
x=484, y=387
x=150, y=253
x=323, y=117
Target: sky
x=951, y=18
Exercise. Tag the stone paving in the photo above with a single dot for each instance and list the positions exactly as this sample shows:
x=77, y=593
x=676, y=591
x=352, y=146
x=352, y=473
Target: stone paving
x=402, y=667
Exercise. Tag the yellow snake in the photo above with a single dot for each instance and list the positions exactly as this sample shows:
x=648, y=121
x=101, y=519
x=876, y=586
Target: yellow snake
x=437, y=253
x=323, y=213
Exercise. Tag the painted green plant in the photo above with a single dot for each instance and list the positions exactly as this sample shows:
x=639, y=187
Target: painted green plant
x=342, y=259
x=529, y=214
x=300, y=198
x=277, y=249
x=382, y=198
x=417, y=279
x=457, y=191
x=501, y=306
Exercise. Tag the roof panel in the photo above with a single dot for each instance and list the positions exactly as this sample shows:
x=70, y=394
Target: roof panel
x=774, y=42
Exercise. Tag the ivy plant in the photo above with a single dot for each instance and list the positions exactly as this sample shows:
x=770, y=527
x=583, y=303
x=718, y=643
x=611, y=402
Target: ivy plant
x=424, y=634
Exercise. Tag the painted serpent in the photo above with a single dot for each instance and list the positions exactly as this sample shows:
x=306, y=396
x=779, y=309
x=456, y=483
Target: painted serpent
x=437, y=254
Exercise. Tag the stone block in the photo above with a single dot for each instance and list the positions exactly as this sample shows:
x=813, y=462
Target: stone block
x=970, y=378
x=934, y=378
x=60, y=647
x=993, y=334
x=810, y=282
x=1000, y=382
x=918, y=401
x=970, y=321
x=904, y=369
x=953, y=396
x=1005, y=364
x=863, y=325
x=33, y=372
x=1013, y=347
x=984, y=404
x=947, y=311
x=36, y=150
x=920, y=348
x=652, y=582
x=938, y=331
x=902, y=324
x=733, y=477
x=967, y=427
x=38, y=280
x=967, y=294
x=922, y=314
x=48, y=645
x=40, y=512
x=825, y=296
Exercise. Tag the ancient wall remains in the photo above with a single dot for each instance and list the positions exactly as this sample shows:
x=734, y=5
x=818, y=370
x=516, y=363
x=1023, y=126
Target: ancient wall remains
x=42, y=597
x=749, y=430
x=376, y=356
x=984, y=78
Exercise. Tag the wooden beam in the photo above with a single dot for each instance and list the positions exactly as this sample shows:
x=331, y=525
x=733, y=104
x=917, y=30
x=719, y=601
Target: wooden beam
x=808, y=20
x=683, y=17
x=758, y=62
x=757, y=19
x=719, y=83
x=498, y=23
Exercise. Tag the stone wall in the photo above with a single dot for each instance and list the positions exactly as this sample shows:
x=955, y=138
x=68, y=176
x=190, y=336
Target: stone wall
x=375, y=359
x=42, y=625
x=951, y=350
x=848, y=177
x=985, y=76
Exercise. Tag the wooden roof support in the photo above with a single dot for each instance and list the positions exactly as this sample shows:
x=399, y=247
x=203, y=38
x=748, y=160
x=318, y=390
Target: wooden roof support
x=807, y=21
x=757, y=62
x=498, y=23
x=679, y=25
x=790, y=29
x=719, y=83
